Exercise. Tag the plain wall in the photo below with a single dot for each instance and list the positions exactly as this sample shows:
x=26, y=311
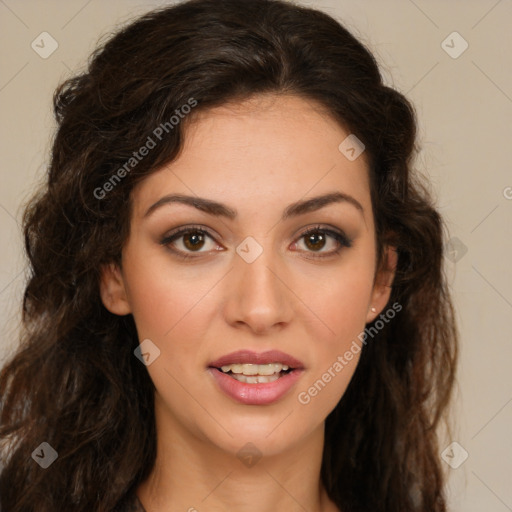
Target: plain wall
x=464, y=106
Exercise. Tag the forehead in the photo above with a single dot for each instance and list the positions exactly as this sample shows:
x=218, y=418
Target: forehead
x=260, y=153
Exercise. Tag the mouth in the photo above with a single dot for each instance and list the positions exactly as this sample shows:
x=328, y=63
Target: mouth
x=256, y=378
x=257, y=368
x=256, y=373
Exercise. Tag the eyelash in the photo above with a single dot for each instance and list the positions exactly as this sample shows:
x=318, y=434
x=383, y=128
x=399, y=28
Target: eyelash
x=342, y=240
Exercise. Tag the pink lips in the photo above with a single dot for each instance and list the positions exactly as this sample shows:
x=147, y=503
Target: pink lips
x=249, y=357
x=261, y=393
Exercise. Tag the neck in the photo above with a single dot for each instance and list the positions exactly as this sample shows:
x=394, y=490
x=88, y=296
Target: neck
x=193, y=474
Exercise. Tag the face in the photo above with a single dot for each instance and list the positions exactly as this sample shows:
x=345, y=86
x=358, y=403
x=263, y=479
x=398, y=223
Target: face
x=256, y=246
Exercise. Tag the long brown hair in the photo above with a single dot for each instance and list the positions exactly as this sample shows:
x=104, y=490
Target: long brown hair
x=75, y=382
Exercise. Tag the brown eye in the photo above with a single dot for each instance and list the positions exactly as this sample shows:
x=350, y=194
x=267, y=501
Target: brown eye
x=189, y=240
x=315, y=241
x=322, y=242
x=193, y=240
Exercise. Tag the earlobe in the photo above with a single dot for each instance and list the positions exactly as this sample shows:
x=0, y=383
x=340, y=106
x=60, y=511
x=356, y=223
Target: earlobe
x=383, y=284
x=113, y=291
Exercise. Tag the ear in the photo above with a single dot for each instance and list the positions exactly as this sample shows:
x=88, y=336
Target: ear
x=382, y=286
x=113, y=290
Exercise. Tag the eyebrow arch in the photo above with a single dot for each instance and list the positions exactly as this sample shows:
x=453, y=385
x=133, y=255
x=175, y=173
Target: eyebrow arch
x=220, y=210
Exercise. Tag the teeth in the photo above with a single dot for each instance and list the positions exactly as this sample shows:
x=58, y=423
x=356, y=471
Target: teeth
x=255, y=369
x=252, y=379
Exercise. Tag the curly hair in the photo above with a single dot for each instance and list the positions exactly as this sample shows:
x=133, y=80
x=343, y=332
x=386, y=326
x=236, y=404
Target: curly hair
x=74, y=381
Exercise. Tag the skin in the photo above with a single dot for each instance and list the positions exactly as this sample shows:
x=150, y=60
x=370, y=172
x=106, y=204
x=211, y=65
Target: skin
x=257, y=157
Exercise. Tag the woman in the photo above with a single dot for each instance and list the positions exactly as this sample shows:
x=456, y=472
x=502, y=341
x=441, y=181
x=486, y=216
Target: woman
x=236, y=299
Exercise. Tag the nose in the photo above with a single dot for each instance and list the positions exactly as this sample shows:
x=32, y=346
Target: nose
x=257, y=297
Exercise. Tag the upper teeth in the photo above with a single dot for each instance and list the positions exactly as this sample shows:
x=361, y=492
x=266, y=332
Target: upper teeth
x=255, y=369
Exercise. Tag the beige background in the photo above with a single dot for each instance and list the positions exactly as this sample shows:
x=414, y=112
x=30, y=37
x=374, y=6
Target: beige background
x=465, y=111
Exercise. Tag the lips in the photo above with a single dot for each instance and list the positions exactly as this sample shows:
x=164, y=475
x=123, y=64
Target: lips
x=250, y=357
x=260, y=393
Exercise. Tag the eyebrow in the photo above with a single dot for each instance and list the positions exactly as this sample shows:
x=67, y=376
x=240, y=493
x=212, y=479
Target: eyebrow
x=221, y=210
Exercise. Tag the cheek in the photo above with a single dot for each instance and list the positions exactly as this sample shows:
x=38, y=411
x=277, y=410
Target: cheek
x=341, y=303
x=322, y=392
x=341, y=297
x=337, y=352
x=165, y=299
